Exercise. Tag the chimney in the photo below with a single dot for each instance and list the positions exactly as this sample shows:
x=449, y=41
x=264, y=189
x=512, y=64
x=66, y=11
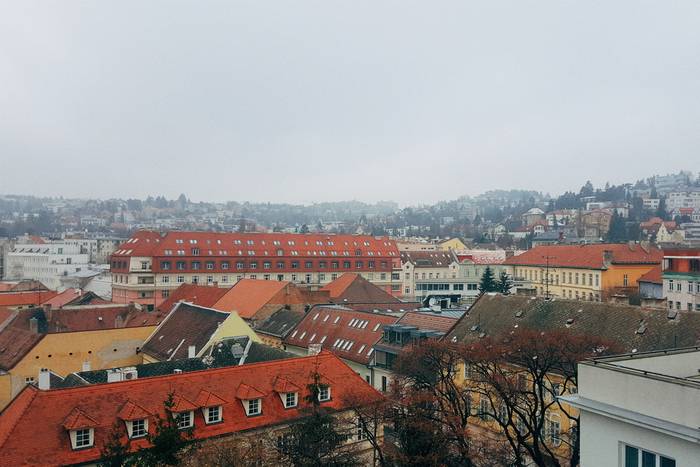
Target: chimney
x=314, y=349
x=34, y=325
x=607, y=256
x=191, y=351
x=44, y=379
x=87, y=366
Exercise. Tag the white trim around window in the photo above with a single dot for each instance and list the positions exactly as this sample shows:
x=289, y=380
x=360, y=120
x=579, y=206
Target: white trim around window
x=213, y=414
x=82, y=438
x=137, y=428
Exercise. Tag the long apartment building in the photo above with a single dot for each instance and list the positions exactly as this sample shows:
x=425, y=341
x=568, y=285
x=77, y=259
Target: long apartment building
x=591, y=272
x=149, y=265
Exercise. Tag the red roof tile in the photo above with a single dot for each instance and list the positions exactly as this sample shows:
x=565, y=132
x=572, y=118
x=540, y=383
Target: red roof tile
x=348, y=334
x=35, y=418
x=148, y=243
x=283, y=385
x=78, y=419
x=182, y=404
x=132, y=411
x=351, y=287
x=209, y=399
x=201, y=295
x=653, y=276
x=247, y=392
x=591, y=256
x=428, y=321
x=26, y=298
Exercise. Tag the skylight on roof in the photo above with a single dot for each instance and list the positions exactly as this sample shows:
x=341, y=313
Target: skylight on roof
x=323, y=339
x=361, y=348
x=337, y=318
x=315, y=316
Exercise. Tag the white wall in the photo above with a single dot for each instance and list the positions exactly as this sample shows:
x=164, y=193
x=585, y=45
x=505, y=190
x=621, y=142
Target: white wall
x=601, y=438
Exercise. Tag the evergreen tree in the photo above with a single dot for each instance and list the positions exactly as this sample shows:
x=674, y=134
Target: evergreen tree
x=115, y=453
x=661, y=210
x=618, y=230
x=504, y=283
x=167, y=441
x=488, y=281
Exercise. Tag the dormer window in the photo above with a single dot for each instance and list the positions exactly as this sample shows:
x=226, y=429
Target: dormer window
x=253, y=407
x=184, y=420
x=82, y=438
x=290, y=400
x=137, y=428
x=213, y=414
x=324, y=393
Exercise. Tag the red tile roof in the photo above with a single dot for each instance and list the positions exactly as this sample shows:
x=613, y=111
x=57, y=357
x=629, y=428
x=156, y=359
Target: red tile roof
x=32, y=431
x=148, y=243
x=348, y=334
x=591, y=256
x=428, y=321
x=201, y=295
x=351, y=287
x=26, y=298
x=653, y=276
x=63, y=298
x=78, y=419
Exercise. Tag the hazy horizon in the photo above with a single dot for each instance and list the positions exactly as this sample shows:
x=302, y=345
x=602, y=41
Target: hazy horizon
x=312, y=101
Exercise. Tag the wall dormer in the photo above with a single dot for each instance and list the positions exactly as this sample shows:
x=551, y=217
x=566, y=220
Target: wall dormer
x=81, y=429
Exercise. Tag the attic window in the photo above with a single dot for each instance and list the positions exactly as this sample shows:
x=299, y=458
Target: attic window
x=82, y=438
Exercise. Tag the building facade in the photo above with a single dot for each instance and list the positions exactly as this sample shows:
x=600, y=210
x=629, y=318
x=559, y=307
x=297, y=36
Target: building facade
x=656, y=426
x=591, y=272
x=149, y=265
x=681, y=279
x=45, y=262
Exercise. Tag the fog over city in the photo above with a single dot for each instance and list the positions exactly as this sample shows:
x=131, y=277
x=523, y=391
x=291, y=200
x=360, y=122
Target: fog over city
x=315, y=100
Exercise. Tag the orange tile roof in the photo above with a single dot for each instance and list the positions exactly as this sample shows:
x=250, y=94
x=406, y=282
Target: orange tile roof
x=26, y=298
x=338, y=286
x=32, y=431
x=78, y=419
x=248, y=296
x=201, y=295
x=590, y=256
x=63, y=298
x=347, y=333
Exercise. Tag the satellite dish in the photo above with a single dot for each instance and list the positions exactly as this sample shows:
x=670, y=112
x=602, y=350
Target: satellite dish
x=433, y=301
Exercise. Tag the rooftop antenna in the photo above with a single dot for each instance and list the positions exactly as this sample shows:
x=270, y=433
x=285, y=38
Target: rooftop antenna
x=546, y=280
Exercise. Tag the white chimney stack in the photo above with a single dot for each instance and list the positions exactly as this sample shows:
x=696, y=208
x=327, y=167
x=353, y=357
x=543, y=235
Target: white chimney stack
x=114, y=375
x=87, y=366
x=314, y=349
x=44, y=379
x=191, y=351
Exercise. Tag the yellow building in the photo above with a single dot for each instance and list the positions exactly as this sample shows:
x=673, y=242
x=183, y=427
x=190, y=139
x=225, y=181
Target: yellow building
x=452, y=244
x=67, y=340
x=497, y=316
x=191, y=329
x=592, y=272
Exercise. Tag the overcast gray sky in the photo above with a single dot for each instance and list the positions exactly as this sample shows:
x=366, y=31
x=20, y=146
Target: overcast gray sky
x=303, y=101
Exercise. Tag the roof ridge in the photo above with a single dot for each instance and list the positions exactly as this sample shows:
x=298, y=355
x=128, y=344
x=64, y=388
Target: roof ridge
x=218, y=370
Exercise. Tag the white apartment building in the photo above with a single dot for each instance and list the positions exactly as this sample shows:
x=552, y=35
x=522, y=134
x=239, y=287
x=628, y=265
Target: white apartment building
x=683, y=199
x=45, y=262
x=640, y=410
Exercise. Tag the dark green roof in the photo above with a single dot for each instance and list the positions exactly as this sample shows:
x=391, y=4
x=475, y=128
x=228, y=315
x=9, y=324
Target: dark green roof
x=631, y=327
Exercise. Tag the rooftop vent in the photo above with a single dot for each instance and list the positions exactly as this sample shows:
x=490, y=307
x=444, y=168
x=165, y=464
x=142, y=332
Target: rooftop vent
x=672, y=314
x=519, y=314
x=642, y=328
x=475, y=328
x=482, y=335
x=570, y=321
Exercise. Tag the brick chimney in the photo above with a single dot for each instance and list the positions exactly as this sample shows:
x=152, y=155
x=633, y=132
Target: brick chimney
x=191, y=351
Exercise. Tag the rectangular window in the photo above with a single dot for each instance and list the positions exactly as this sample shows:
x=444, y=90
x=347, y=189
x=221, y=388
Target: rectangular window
x=324, y=393
x=225, y=265
x=180, y=265
x=625, y=280
x=213, y=414
x=180, y=279
x=290, y=400
x=240, y=265
x=210, y=265
x=83, y=438
x=164, y=293
x=195, y=265
x=184, y=420
x=253, y=407
x=165, y=265
x=138, y=428
x=384, y=383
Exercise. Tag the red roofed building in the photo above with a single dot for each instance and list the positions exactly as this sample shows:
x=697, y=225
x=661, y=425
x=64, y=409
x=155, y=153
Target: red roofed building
x=255, y=300
x=347, y=333
x=149, y=265
x=67, y=339
x=353, y=288
x=202, y=295
x=592, y=272
x=71, y=426
x=24, y=299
